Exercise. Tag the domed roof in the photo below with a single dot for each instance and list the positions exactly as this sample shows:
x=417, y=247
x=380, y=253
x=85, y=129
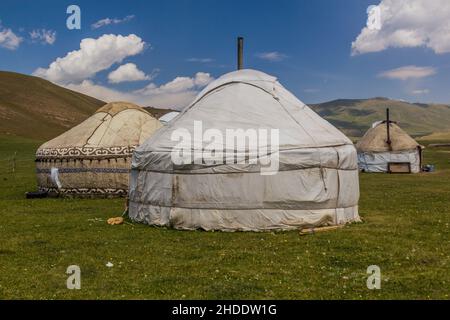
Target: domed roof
x=250, y=99
x=116, y=124
x=313, y=180
x=375, y=139
x=114, y=108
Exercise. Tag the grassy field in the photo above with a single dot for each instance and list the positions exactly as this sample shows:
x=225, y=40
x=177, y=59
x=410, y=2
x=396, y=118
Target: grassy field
x=405, y=231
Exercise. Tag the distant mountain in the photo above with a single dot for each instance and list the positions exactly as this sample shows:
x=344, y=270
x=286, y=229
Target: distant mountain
x=158, y=112
x=355, y=116
x=35, y=108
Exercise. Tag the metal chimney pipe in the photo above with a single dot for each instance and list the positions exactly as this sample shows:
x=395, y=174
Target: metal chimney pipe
x=388, y=122
x=240, y=53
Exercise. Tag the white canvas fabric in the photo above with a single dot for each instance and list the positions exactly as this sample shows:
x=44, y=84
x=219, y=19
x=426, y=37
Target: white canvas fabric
x=375, y=154
x=378, y=161
x=317, y=182
x=93, y=158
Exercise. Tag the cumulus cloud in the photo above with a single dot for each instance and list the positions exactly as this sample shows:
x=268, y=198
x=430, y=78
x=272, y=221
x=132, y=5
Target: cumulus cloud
x=93, y=56
x=8, y=39
x=108, y=21
x=406, y=24
x=43, y=36
x=421, y=91
x=89, y=88
x=273, y=56
x=127, y=72
x=200, y=60
x=174, y=94
x=311, y=90
x=408, y=72
x=76, y=70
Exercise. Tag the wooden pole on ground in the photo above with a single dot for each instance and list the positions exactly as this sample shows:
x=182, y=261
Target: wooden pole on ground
x=240, y=53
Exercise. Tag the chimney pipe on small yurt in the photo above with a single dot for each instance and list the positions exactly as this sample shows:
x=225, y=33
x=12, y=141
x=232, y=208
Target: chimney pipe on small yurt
x=240, y=53
x=388, y=121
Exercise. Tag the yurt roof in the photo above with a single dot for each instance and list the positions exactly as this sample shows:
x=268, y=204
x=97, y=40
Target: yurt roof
x=375, y=139
x=169, y=116
x=250, y=99
x=115, y=124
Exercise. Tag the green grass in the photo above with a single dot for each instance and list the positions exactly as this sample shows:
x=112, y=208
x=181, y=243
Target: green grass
x=405, y=232
x=36, y=108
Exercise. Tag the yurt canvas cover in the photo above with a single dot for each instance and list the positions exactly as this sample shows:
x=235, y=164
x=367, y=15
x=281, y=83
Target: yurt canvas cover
x=317, y=182
x=375, y=154
x=94, y=157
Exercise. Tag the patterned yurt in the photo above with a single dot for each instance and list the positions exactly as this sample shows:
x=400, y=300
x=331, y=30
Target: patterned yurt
x=94, y=157
x=315, y=184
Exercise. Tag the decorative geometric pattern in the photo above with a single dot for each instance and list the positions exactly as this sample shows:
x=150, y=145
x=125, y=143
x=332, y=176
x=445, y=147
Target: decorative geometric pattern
x=87, y=191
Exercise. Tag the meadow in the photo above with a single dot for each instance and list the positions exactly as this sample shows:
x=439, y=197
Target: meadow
x=405, y=231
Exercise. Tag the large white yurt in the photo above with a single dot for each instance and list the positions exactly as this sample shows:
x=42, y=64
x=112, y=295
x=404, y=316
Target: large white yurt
x=94, y=157
x=387, y=148
x=314, y=184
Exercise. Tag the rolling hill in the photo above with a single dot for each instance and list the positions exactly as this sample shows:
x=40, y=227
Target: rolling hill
x=355, y=116
x=35, y=108
x=158, y=112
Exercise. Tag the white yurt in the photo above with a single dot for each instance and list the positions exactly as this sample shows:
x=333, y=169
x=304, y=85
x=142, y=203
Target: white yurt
x=94, y=157
x=314, y=182
x=387, y=148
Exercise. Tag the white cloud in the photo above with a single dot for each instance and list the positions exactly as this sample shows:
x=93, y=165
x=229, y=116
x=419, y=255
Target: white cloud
x=202, y=79
x=108, y=21
x=421, y=91
x=408, y=72
x=406, y=24
x=8, y=39
x=175, y=94
x=93, y=56
x=43, y=36
x=127, y=72
x=201, y=60
x=273, y=56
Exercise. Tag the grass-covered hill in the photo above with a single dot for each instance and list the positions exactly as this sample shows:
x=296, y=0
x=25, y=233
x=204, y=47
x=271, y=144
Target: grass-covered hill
x=35, y=108
x=405, y=232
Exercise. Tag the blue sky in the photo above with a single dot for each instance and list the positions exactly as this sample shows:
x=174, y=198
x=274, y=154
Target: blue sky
x=306, y=44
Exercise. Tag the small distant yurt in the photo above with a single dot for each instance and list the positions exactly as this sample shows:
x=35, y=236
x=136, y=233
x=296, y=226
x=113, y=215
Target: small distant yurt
x=94, y=157
x=387, y=148
x=314, y=182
